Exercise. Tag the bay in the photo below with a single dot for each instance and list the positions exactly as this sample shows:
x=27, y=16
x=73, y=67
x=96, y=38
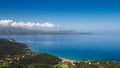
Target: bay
x=75, y=47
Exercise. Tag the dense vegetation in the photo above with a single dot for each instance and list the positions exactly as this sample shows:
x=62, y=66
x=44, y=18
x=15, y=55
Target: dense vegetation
x=18, y=55
x=11, y=47
x=34, y=60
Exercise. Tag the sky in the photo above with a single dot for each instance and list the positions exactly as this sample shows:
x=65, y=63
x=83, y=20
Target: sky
x=84, y=15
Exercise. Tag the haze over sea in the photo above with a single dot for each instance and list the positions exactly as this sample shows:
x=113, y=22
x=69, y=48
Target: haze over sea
x=96, y=46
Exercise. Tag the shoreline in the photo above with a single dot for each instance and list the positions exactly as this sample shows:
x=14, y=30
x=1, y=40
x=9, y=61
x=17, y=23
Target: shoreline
x=63, y=59
x=68, y=60
x=72, y=61
x=46, y=59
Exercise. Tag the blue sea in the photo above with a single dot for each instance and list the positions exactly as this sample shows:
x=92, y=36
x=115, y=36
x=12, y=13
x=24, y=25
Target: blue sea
x=75, y=47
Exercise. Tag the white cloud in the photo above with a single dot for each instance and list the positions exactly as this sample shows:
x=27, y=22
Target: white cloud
x=5, y=22
x=27, y=24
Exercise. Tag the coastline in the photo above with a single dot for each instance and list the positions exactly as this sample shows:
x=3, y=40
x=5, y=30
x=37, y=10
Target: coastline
x=68, y=60
x=31, y=59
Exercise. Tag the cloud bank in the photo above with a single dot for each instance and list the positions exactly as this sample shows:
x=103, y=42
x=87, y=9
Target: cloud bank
x=27, y=24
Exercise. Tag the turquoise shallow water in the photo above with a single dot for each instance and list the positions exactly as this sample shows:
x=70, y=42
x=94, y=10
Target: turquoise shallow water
x=76, y=47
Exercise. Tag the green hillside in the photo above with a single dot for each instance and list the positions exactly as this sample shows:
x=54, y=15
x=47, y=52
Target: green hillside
x=18, y=55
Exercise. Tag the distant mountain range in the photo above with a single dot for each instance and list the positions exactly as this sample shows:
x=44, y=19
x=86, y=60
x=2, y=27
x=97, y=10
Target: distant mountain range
x=7, y=30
